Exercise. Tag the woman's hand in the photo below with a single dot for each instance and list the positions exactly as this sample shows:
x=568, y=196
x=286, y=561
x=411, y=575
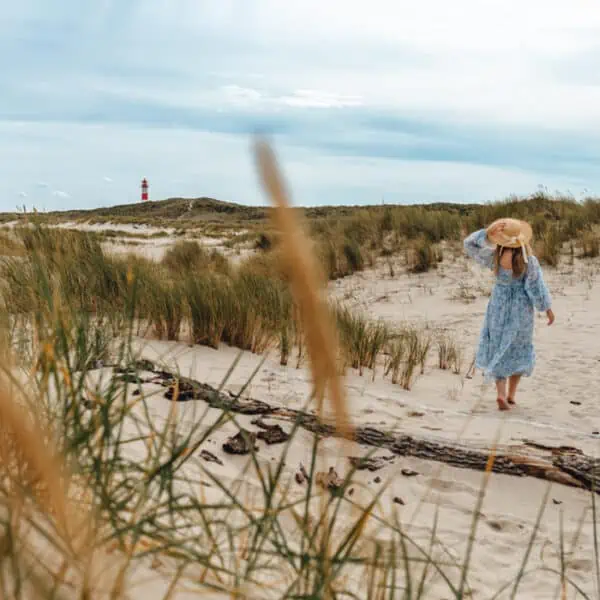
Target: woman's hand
x=550, y=316
x=496, y=228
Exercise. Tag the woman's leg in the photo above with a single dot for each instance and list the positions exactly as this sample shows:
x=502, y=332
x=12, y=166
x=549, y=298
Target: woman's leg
x=513, y=383
x=501, y=398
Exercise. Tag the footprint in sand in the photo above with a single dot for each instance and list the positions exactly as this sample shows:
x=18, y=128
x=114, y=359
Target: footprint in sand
x=447, y=485
x=581, y=564
x=504, y=525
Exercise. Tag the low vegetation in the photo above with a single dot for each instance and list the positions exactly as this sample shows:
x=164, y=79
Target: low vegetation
x=192, y=294
x=590, y=245
x=423, y=255
x=9, y=246
x=350, y=238
x=353, y=238
x=450, y=354
x=186, y=257
x=549, y=245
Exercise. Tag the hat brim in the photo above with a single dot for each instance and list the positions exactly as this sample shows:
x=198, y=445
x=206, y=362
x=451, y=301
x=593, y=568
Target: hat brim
x=523, y=227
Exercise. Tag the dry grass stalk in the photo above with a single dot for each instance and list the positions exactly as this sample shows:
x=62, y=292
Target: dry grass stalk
x=25, y=444
x=306, y=283
x=26, y=455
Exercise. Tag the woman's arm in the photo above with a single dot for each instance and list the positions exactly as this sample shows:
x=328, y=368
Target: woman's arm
x=537, y=290
x=477, y=247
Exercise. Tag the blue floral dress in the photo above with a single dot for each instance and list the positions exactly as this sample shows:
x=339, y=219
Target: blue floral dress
x=506, y=340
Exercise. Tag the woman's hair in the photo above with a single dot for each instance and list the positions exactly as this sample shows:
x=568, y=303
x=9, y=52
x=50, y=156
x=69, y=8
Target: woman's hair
x=519, y=266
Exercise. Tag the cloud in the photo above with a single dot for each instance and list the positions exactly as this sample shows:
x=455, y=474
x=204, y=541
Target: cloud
x=108, y=180
x=22, y=194
x=234, y=94
x=60, y=194
x=320, y=99
x=501, y=85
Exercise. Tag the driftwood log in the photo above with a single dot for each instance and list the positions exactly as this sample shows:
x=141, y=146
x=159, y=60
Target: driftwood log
x=566, y=465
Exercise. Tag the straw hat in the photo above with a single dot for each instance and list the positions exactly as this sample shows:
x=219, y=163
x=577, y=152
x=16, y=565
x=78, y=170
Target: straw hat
x=516, y=234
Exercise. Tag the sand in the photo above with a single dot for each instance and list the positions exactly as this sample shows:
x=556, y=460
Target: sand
x=128, y=229
x=156, y=248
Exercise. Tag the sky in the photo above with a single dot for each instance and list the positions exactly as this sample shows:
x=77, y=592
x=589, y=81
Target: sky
x=365, y=102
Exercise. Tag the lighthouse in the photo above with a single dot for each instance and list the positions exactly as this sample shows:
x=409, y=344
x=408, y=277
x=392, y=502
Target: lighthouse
x=144, y=190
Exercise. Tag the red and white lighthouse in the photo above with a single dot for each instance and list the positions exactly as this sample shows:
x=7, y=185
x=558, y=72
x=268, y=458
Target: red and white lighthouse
x=144, y=190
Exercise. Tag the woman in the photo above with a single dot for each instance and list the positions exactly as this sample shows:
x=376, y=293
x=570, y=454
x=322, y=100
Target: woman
x=506, y=349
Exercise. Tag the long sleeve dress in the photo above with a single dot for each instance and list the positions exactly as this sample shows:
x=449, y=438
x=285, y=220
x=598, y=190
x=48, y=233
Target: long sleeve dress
x=506, y=339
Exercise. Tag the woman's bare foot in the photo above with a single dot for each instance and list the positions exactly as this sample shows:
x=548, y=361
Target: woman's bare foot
x=513, y=383
x=502, y=404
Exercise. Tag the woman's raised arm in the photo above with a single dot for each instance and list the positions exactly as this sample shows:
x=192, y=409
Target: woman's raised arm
x=477, y=247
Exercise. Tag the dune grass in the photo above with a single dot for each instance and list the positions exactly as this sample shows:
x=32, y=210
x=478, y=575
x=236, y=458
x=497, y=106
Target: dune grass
x=190, y=257
x=361, y=339
x=549, y=247
x=349, y=239
x=192, y=295
x=450, y=355
x=590, y=245
x=9, y=246
x=423, y=256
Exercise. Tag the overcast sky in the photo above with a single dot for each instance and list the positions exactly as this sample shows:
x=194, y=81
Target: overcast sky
x=418, y=101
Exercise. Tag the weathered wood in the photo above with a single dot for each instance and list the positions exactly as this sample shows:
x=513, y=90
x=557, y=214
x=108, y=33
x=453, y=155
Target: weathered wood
x=183, y=389
x=210, y=457
x=241, y=443
x=330, y=480
x=372, y=464
x=584, y=469
x=563, y=464
x=272, y=434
